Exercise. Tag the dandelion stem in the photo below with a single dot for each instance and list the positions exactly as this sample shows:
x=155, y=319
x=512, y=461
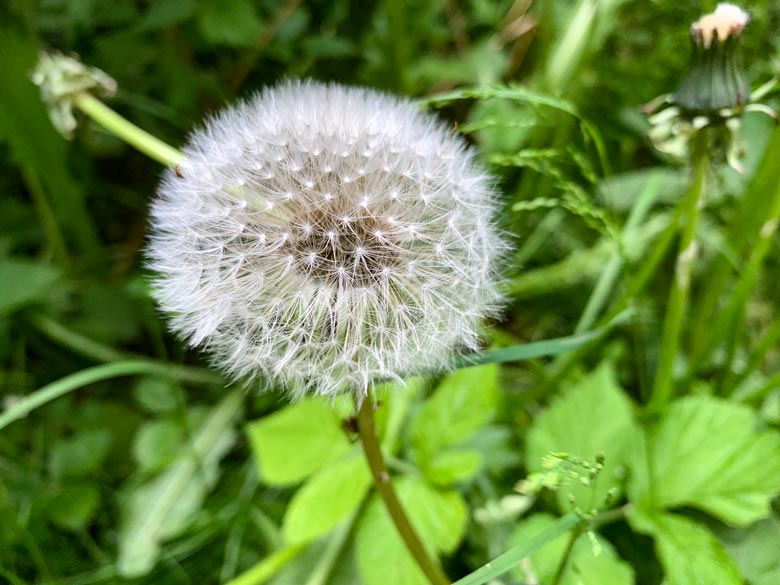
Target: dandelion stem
x=368, y=438
x=678, y=296
x=122, y=128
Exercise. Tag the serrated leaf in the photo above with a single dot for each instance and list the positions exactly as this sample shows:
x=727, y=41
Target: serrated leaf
x=583, y=568
x=74, y=506
x=22, y=283
x=690, y=554
x=706, y=453
x=80, y=454
x=593, y=416
x=328, y=497
x=162, y=507
x=462, y=403
x=294, y=442
x=438, y=517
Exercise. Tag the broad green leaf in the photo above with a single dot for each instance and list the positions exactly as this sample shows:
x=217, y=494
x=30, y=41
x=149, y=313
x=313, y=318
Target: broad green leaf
x=591, y=417
x=157, y=443
x=23, y=282
x=292, y=443
x=690, y=554
x=438, y=517
x=80, y=454
x=162, y=507
x=452, y=466
x=706, y=453
x=583, y=568
x=74, y=505
x=462, y=403
x=755, y=550
x=230, y=22
x=327, y=498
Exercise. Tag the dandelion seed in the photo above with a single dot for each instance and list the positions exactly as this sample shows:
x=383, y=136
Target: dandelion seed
x=319, y=292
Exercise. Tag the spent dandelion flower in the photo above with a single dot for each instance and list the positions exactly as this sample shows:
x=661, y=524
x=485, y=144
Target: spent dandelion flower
x=320, y=237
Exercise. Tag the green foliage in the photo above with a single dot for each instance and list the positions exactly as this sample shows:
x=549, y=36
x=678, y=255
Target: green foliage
x=587, y=565
x=123, y=459
x=438, y=516
x=592, y=417
x=706, y=453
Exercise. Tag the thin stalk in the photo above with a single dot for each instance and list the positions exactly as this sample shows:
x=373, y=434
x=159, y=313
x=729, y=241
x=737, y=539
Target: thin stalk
x=575, y=534
x=48, y=218
x=768, y=341
x=78, y=380
x=735, y=313
x=376, y=462
x=606, y=283
x=677, y=304
x=122, y=128
x=102, y=353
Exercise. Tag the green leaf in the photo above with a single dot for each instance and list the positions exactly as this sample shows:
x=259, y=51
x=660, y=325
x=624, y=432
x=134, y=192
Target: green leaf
x=158, y=394
x=462, y=403
x=165, y=13
x=453, y=466
x=163, y=507
x=24, y=283
x=328, y=497
x=292, y=443
x=80, y=454
x=755, y=550
x=230, y=22
x=583, y=568
x=438, y=517
x=156, y=444
x=74, y=506
x=689, y=553
x=591, y=417
x=706, y=453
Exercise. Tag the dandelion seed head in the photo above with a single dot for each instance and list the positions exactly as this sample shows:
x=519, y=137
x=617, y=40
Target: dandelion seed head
x=323, y=237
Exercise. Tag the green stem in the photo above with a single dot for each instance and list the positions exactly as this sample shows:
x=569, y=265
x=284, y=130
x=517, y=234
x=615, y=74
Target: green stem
x=513, y=556
x=678, y=296
x=102, y=353
x=563, y=563
x=122, y=128
x=606, y=283
x=376, y=462
x=269, y=566
x=80, y=379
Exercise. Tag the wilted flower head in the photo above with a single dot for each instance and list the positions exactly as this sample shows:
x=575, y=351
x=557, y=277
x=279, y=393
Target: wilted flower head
x=322, y=237
x=713, y=94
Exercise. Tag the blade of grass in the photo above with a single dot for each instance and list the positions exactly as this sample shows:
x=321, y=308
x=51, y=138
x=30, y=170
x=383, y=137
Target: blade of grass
x=513, y=556
x=536, y=349
x=79, y=380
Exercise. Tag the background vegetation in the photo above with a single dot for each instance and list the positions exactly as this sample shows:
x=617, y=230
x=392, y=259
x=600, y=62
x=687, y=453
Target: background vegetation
x=153, y=476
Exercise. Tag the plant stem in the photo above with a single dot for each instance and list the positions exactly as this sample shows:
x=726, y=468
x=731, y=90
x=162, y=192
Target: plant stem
x=678, y=296
x=122, y=128
x=575, y=534
x=78, y=380
x=376, y=462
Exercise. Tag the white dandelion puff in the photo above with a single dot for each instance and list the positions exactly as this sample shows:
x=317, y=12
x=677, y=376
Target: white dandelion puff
x=321, y=238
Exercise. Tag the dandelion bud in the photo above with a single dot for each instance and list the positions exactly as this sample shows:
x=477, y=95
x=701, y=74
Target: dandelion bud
x=715, y=80
x=320, y=238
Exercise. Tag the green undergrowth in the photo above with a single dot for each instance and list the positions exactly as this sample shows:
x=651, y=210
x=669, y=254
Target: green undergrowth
x=125, y=459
